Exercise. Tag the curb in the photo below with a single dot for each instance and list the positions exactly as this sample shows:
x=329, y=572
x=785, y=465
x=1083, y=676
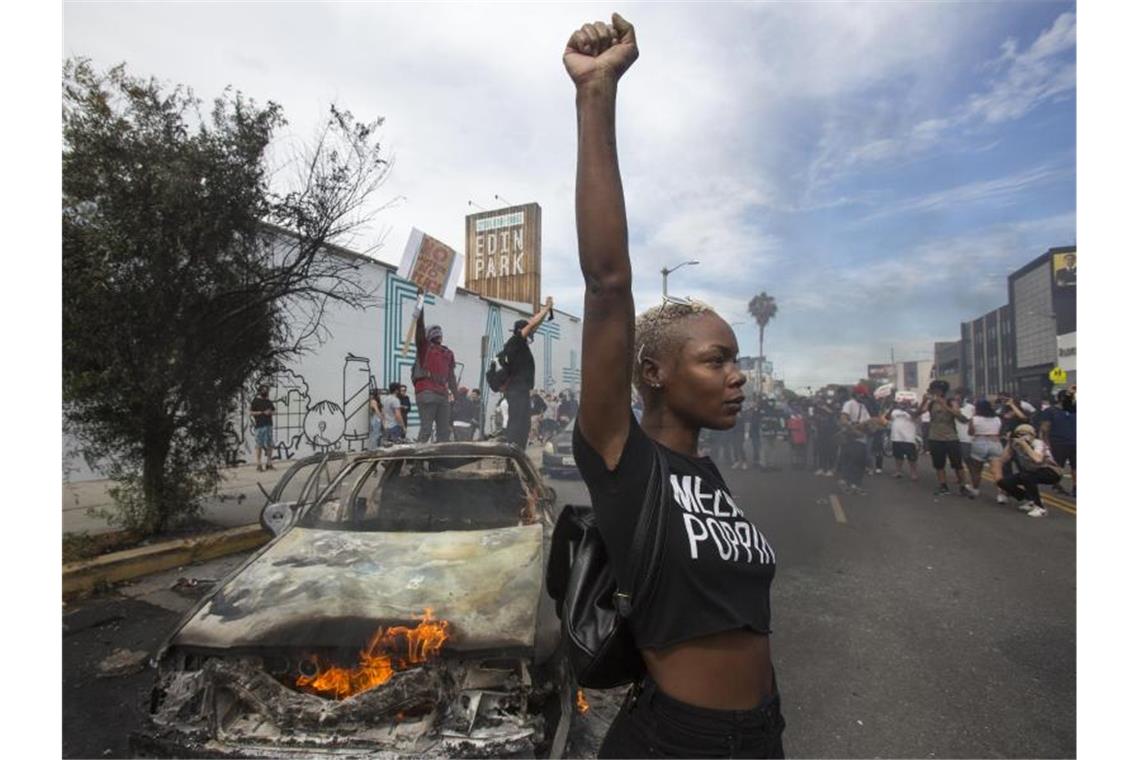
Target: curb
x=86, y=575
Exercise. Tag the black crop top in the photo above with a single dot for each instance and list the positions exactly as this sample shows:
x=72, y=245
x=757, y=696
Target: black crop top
x=717, y=567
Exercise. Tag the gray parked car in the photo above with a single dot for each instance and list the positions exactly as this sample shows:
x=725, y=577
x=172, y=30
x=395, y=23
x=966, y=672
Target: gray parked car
x=399, y=609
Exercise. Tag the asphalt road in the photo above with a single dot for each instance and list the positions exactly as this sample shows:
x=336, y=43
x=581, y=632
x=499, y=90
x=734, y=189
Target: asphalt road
x=905, y=625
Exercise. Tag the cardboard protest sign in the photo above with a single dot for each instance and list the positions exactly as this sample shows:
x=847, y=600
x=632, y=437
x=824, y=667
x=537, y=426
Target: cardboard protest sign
x=430, y=264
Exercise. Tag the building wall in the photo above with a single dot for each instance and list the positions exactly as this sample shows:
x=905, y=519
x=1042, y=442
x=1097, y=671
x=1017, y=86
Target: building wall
x=948, y=362
x=913, y=375
x=1032, y=303
x=322, y=398
x=987, y=352
x=1035, y=327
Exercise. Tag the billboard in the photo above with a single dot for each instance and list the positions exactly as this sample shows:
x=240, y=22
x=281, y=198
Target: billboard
x=880, y=374
x=1064, y=271
x=504, y=253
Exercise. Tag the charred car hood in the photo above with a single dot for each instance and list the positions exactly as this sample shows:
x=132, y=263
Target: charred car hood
x=333, y=588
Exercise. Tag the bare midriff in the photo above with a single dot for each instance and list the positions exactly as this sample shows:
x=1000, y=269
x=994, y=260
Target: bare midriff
x=731, y=670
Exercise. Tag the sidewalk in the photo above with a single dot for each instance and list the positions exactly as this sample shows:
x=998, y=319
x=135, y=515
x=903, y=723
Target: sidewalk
x=237, y=502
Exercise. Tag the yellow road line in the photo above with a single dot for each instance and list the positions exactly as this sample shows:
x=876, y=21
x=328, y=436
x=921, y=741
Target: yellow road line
x=1048, y=498
x=837, y=508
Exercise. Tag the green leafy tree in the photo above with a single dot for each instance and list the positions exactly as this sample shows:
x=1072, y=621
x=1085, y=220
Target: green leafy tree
x=186, y=276
x=763, y=309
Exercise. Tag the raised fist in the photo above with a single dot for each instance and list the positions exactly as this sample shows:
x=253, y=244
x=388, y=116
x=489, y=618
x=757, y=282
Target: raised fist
x=600, y=50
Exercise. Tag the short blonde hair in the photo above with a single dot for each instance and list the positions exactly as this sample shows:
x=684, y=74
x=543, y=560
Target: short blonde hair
x=656, y=332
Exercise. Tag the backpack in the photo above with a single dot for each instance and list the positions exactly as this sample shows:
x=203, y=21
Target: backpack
x=593, y=607
x=435, y=364
x=497, y=377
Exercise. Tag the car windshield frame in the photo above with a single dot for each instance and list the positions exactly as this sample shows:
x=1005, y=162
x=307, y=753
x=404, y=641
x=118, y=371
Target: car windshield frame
x=535, y=509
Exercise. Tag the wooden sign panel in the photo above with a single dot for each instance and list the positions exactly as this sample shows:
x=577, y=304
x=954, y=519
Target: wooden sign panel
x=430, y=264
x=504, y=253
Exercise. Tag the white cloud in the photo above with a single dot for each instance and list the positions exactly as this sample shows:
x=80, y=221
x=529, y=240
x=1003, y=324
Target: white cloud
x=994, y=192
x=1022, y=81
x=719, y=123
x=1028, y=79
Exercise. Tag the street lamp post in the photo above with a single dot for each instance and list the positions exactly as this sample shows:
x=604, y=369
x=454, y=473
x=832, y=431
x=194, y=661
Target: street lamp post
x=666, y=271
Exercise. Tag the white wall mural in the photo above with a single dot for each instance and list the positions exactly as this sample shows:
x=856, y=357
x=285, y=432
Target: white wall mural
x=321, y=400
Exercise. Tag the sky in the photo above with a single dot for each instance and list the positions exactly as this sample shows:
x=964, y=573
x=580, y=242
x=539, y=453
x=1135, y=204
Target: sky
x=878, y=168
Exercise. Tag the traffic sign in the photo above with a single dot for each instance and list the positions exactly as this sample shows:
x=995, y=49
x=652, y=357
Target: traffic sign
x=1058, y=376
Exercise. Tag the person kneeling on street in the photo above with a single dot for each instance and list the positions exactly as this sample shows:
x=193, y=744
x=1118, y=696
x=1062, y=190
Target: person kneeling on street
x=1035, y=467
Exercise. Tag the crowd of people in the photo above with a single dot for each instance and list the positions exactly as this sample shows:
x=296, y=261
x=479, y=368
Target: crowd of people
x=848, y=434
x=449, y=411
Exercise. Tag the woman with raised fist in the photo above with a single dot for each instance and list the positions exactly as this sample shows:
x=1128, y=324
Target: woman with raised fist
x=709, y=688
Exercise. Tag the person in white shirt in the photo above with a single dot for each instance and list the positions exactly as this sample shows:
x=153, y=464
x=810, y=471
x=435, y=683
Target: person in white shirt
x=853, y=417
x=903, y=419
x=966, y=408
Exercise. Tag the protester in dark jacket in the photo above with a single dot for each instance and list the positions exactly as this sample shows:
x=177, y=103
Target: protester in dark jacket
x=519, y=363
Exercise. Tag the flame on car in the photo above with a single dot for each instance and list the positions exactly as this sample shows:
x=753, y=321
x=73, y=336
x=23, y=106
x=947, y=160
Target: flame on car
x=583, y=705
x=389, y=650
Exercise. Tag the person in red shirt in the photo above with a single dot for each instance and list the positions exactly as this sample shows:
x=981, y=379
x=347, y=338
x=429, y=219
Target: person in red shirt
x=433, y=377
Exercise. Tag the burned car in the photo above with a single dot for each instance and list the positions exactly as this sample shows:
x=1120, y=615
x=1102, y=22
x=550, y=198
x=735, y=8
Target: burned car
x=400, y=609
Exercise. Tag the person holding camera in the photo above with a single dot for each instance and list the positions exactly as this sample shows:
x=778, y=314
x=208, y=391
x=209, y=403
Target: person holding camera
x=903, y=420
x=703, y=632
x=943, y=441
x=1035, y=468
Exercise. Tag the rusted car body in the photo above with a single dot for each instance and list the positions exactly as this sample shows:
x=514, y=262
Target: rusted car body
x=399, y=610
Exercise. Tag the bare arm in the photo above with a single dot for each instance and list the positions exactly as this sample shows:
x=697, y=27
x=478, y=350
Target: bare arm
x=595, y=57
x=421, y=333
x=538, y=318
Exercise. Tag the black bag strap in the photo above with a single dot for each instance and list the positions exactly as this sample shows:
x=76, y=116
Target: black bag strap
x=645, y=553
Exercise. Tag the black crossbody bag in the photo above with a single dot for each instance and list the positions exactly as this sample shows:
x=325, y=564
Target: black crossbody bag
x=594, y=609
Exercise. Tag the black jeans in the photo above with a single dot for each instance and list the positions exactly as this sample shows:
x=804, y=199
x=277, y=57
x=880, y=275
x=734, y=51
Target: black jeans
x=518, y=417
x=853, y=462
x=1023, y=485
x=652, y=724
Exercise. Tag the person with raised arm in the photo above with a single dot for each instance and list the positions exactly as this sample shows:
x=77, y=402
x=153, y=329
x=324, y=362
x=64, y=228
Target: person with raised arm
x=703, y=633
x=518, y=361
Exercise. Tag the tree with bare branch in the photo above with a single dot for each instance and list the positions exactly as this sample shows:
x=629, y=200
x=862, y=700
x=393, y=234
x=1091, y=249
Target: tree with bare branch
x=763, y=309
x=187, y=276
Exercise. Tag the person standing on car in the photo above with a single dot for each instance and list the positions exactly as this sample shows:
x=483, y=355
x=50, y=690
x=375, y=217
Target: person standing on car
x=434, y=377
x=518, y=361
x=261, y=412
x=709, y=689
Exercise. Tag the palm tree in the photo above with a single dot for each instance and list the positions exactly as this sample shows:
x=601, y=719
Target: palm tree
x=762, y=308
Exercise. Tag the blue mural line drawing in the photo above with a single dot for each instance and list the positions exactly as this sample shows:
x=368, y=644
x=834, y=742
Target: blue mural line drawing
x=572, y=375
x=324, y=426
x=494, y=332
x=398, y=291
x=550, y=332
